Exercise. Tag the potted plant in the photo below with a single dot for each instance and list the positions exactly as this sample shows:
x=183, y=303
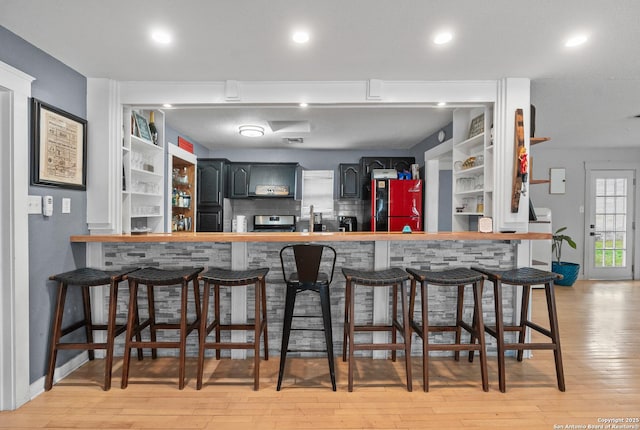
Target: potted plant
x=569, y=271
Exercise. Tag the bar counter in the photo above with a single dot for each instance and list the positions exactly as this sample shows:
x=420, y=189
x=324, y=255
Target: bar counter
x=357, y=250
x=356, y=236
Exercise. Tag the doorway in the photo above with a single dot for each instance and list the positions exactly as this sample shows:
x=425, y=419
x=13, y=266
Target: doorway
x=609, y=236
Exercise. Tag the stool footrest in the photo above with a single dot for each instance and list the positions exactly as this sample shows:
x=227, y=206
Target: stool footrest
x=377, y=346
x=307, y=350
x=525, y=346
x=538, y=328
x=374, y=328
x=228, y=345
x=73, y=327
x=81, y=346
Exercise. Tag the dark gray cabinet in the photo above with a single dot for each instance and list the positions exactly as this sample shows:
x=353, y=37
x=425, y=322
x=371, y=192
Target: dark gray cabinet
x=209, y=219
x=239, y=180
x=350, y=181
x=211, y=181
x=367, y=164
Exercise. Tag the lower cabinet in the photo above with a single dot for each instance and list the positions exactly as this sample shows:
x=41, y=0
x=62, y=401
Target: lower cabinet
x=209, y=219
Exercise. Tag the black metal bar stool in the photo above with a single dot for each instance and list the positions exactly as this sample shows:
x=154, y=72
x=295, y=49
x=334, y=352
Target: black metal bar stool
x=391, y=277
x=86, y=278
x=525, y=276
x=457, y=277
x=233, y=278
x=307, y=275
x=153, y=277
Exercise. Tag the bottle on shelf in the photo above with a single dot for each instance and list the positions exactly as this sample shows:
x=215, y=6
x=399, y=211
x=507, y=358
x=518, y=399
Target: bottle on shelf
x=152, y=128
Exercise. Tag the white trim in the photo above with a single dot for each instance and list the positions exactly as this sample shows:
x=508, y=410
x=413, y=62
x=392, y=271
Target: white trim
x=15, y=87
x=60, y=373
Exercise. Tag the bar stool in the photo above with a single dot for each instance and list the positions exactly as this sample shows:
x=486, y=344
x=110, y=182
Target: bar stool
x=86, y=278
x=307, y=277
x=153, y=277
x=525, y=276
x=456, y=277
x=233, y=278
x=391, y=277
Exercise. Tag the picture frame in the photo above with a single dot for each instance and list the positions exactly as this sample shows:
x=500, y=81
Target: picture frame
x=142, y=126
x=477, y=126
x=59, y=147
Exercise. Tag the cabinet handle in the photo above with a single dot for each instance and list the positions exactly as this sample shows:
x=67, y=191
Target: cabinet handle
x=220, y=197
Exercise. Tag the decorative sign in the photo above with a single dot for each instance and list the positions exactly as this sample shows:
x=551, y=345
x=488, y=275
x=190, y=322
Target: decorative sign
x=477, y=126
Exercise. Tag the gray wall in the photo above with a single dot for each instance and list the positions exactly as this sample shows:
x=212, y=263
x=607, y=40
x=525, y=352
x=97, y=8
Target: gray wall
x=171, y=136
x=49, y=249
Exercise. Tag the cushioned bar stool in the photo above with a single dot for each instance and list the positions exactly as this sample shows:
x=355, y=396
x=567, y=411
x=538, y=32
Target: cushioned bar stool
x=391, y=277
x=456, y=277
x=308, y=276
x=86, y=278
x=153, y=277
x=525, y=276
x=234, y=278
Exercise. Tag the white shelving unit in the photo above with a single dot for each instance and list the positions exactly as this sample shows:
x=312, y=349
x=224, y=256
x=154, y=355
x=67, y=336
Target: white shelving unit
x=472, y=158
x=143, y=193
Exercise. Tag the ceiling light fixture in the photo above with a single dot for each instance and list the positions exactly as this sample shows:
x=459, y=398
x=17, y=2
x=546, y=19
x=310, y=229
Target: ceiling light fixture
x=167, y=105
x=161, y=37
x=441, y=104
x=443, y=37
x=304, y=105
x=251, y=130
x=300, y=37
x=576, y=40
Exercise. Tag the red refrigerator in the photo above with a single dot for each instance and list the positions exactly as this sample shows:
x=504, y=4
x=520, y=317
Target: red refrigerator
x=396, y=203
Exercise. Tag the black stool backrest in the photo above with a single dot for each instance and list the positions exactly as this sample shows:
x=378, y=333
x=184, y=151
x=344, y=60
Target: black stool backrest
x=308, y=259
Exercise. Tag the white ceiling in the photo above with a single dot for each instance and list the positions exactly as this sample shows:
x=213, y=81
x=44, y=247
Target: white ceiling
x=216, y=40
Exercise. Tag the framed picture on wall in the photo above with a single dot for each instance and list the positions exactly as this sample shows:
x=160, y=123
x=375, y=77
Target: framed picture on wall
x=59, y=147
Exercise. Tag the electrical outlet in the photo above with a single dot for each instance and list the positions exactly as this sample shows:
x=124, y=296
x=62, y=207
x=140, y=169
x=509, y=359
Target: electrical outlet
x=34, y=205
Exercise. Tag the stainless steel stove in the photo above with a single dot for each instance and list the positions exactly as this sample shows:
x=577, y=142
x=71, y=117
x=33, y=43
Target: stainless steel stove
x=274, y=223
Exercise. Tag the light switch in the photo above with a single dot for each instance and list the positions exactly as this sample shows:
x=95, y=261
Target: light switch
x=66, y=205
x=34, y=205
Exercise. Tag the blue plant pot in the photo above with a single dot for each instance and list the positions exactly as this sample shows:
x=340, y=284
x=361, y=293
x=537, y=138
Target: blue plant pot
x=569, y=272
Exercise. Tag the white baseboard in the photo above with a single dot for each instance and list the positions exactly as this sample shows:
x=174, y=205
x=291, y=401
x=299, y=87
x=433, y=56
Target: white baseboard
x=61, y=372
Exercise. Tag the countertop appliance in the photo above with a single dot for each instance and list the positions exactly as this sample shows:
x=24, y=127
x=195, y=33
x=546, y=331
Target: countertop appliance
x=274, y=223
x=349, y=223
x=396, y=203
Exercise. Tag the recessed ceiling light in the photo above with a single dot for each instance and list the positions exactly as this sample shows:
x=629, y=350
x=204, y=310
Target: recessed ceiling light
x=304, y=105
x=300, y=37
x=443, y=37
x=576, y=40
x=440, y=104
x=162, y=37
x=251, y=130
x=167, y=105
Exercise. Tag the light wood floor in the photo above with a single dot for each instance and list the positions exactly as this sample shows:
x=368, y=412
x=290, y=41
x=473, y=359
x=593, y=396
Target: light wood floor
x=599, y=326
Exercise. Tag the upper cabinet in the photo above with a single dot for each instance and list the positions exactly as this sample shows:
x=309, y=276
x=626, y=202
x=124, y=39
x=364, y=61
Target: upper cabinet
x=472, y=158
x=349, y=181
x=212, y=179
x=239, y=180
x=143, y=171
x=262, y=180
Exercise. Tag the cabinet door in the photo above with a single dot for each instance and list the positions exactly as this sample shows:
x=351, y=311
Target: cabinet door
x=239, y=180
x=209, y=220
x=402, y=163
x=367, y=164
x=210, y=182
x=349, y=181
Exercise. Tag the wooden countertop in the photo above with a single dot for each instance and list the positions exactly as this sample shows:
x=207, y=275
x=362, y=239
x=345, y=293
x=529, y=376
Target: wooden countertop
x=356, y=236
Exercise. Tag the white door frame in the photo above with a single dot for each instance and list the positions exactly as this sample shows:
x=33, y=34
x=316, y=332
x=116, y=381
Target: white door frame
x=15, y=90
x=635, y=234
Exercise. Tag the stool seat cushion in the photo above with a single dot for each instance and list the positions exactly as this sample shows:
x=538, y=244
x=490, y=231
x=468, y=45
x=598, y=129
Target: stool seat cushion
x=520, y=276
x=90, y=277
x=241, y=277
x=454, y=276
x=376, y=277
x=154, y=276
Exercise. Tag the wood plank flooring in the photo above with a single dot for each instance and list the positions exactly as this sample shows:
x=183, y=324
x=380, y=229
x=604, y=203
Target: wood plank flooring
x=599, y=327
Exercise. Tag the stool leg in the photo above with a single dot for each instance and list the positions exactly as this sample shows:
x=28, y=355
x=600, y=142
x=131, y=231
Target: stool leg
x=88, y=321
x=351, y=292
x=132, y=326
x=524, y=312
x=256, y=337
x=345, y=327
x=55, y=335
x=216, y=307
x=497, y=294
x=425, y=335
x=202, y=333
x=406, y=334
x=286, y=330
x=394, y=318
x=263, y=286
x=152, y=319
x=478, y=326
x=459, y=307
x=555, y=333
x=328, y=333
x=111, y=331
x=183, y=334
